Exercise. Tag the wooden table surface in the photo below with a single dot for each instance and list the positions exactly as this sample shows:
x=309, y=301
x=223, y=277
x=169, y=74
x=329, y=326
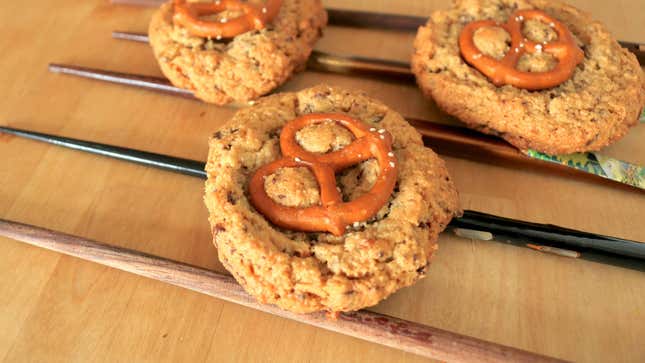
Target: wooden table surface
x=58, y=308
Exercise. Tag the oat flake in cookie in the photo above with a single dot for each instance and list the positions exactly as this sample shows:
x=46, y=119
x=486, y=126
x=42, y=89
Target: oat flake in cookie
x=223, y=68
x=595, y=107
x=313, y=271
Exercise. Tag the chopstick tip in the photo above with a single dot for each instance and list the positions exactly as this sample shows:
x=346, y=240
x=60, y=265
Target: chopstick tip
x=55, y=67
x=554, y=250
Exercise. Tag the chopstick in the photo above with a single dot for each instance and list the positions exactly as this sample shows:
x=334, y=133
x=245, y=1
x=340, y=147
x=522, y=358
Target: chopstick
x=610, y=250
x=377, y=328
x=338, y=17
x=128, y=79
x=351, y=65
x=448, y=140
x=326, y=62
x=454, y=137
x=382, y=21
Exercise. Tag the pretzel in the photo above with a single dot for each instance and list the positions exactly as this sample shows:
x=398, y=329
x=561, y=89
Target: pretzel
x=332, y=215
x=503, y=71
x=188, y=15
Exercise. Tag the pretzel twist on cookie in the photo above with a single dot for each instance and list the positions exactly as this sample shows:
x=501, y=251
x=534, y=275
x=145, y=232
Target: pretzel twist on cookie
x=188, y=15
x=504, y=71
x=332, y=215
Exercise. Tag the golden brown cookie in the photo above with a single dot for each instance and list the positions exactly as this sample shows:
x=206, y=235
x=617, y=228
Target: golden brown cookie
x=242, y=68
x=595, y=107
x=312, y=271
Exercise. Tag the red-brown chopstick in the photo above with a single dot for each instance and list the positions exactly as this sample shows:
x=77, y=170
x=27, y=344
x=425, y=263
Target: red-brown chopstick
x=373, y=327
x=446, y=140
x=470, y=144
x=456, y=139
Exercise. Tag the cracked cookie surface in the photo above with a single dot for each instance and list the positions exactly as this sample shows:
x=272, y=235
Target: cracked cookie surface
x=306, y=272
x=591, y=110
x=244, y=67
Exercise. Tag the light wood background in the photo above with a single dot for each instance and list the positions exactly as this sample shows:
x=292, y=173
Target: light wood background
x=56, y=308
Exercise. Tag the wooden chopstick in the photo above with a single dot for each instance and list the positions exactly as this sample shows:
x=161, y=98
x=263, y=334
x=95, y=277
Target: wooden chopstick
x=447, y=140
x=128, y=79
x=373, y=327
x=400, y=71
x=457, y=140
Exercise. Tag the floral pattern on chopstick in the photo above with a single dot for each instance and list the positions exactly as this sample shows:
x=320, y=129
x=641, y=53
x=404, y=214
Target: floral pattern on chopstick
x=598, y=164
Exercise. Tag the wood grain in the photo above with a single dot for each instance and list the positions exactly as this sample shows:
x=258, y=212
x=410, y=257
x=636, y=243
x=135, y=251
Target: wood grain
x=373, y=327
x=57, y=308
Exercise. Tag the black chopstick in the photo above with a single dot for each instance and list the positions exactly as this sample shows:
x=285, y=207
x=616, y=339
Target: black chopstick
x=159, y=161
x=605, y=249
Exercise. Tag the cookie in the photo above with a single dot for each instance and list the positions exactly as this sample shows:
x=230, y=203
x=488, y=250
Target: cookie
x=241, y=68
x=320, y=271
x=592, y=109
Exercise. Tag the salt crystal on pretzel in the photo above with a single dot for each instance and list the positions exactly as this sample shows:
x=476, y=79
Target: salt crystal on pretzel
x=504, y=71
x=333, y=215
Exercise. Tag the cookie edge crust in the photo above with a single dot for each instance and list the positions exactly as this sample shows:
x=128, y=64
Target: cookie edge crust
x=161, y=26
x=362, y=299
